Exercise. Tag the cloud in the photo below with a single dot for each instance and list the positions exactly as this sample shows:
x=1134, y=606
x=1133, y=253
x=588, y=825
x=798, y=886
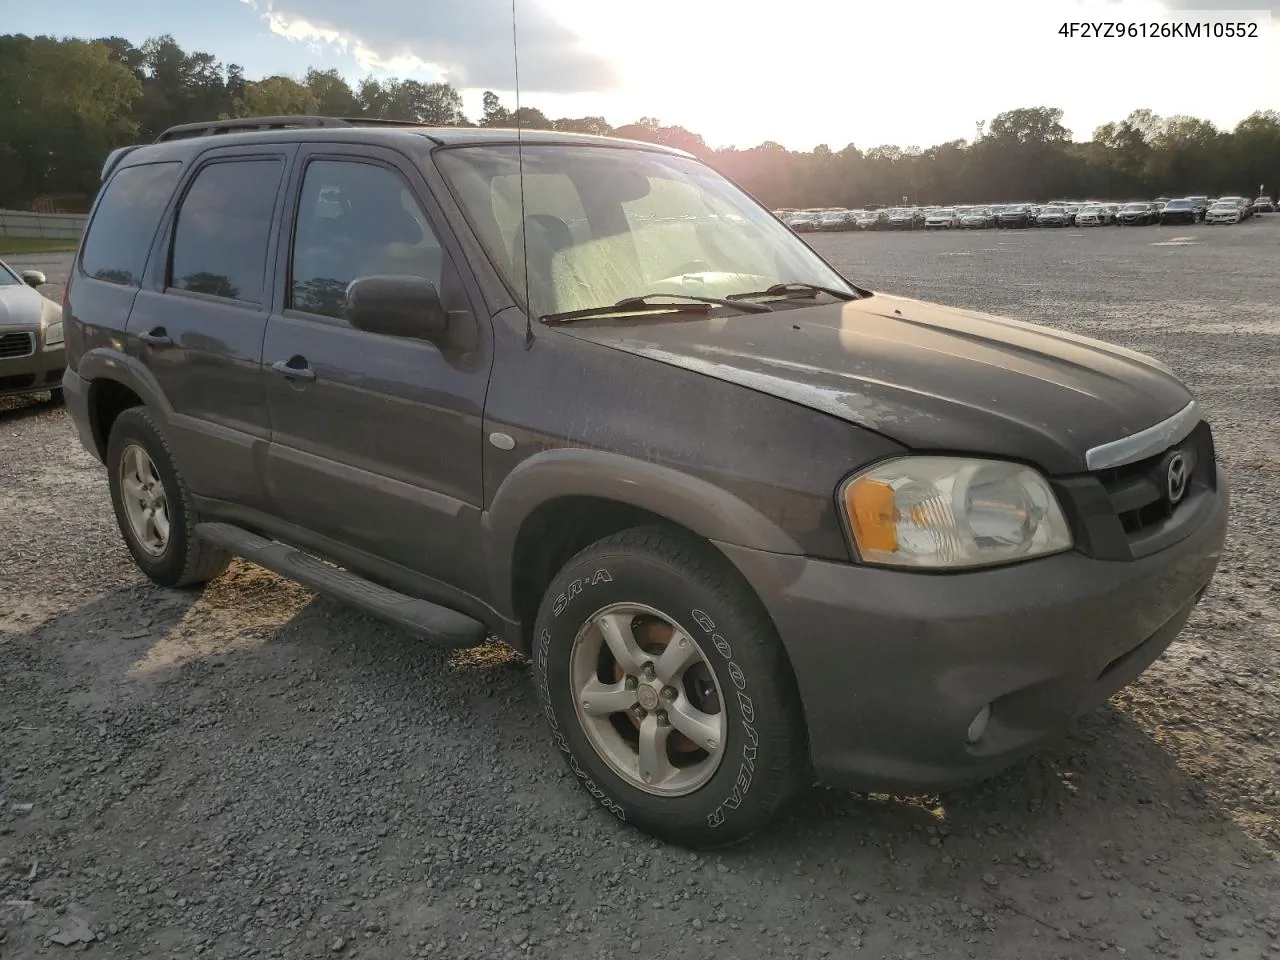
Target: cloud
x=1250, y=5
x=1218, y=6
x=468, y=43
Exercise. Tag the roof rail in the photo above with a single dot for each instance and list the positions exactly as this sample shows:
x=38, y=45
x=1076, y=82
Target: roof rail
x=380, y=122
x=210, y=128
x=245, y=124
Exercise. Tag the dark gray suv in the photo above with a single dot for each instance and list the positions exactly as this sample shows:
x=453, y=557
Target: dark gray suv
x=753, y=524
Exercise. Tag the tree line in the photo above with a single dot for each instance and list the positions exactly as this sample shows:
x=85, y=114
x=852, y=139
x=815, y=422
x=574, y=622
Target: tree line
x=69, y=101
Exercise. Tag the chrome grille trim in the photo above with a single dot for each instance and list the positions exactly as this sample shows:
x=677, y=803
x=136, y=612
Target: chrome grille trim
x=1144, y=443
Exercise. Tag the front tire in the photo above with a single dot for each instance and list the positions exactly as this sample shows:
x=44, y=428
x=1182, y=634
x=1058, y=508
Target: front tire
x=153, y=505
x=667, y=689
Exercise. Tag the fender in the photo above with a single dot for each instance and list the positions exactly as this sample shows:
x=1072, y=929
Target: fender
x=702, y=507
x=108, y=363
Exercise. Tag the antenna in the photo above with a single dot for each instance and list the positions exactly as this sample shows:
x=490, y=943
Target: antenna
x=524, y=233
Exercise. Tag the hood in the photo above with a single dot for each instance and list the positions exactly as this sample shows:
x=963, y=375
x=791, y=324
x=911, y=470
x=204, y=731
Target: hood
x=930, y=377
x=20, y=306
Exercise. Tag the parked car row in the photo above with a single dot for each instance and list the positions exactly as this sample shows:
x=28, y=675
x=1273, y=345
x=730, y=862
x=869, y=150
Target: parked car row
x=1059, y=213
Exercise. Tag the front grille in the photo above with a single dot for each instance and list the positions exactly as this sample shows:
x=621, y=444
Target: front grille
x=1138, y=492
x=14, y=345
x=1125, y=512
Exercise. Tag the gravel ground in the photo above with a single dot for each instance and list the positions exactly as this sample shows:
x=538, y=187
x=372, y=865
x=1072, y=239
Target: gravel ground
x=257, y=772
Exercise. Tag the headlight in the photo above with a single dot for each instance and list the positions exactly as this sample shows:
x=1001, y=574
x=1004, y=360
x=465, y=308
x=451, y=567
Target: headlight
x=951, y=512
x=53, y=333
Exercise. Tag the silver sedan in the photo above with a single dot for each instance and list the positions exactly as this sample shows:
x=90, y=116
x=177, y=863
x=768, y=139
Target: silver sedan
x=32, y=355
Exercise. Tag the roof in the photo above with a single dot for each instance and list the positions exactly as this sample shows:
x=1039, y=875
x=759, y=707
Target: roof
x=187, y=139
x=316, y=127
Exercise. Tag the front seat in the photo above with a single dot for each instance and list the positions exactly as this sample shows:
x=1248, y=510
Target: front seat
x=540, y=240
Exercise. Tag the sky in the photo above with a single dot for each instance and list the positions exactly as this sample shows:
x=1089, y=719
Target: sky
x=800, y=72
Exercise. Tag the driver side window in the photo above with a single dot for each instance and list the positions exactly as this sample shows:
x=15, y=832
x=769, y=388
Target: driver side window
x=354, y=220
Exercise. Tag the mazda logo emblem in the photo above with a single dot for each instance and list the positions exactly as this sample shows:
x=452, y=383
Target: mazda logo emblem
x=1176, y=479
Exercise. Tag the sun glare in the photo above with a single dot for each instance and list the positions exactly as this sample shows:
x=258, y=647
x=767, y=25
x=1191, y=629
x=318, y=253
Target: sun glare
x=819, y=71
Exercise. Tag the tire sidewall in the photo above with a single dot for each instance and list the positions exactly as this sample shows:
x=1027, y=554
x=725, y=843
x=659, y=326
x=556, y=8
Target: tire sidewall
x=728, y=803
x=135, y=427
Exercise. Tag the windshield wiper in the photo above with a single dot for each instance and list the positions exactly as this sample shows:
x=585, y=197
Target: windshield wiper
x=812, y=289
x=645, y=303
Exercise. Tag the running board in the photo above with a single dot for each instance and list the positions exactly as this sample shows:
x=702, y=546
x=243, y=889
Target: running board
x=420, y=617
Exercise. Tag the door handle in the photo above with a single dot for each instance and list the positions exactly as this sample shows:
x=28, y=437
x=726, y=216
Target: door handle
x=295, y=368
x=157, y=337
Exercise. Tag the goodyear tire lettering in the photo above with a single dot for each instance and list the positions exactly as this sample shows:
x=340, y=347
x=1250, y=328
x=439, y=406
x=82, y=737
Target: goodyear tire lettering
x=747, y=712
x=544, y=644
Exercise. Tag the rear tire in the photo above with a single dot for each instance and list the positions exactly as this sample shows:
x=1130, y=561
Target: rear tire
x=641, y=593
x=153, y=505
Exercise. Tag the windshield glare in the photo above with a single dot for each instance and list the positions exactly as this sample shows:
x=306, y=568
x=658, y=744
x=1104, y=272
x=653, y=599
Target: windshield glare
x=602, y=224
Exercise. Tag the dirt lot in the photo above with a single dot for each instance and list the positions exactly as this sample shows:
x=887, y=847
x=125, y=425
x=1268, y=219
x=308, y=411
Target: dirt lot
x=258, y=772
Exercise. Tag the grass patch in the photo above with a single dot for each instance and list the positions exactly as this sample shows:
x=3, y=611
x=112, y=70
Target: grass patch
x=18, y=245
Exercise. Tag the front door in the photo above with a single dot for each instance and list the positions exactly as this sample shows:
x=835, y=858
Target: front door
x=198, y=323
x=376, y=440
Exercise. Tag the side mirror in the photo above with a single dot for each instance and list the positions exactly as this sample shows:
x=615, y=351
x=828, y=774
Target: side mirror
x=396, y=307
x=34, y=278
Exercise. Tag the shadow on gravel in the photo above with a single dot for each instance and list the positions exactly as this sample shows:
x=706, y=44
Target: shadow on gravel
x=1107, y=778
x=254, y=717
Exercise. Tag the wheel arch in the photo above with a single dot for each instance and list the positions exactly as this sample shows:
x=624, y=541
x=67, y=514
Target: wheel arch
x=116, y=382
x=558, y=502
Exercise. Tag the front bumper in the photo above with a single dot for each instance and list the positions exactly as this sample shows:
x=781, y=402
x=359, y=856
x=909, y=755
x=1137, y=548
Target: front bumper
x=893, y=666
x=39, y=370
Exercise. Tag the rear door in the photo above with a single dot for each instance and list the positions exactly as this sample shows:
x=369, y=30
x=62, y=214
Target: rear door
x=376, y=440
x=199, y=322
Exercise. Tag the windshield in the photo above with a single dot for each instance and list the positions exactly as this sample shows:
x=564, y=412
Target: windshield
x=1092, y=210
x=602, y=224
x=7, y=277
x=1135, y=207
x=1052, y=211
x=943, y=213
x=1178, y=205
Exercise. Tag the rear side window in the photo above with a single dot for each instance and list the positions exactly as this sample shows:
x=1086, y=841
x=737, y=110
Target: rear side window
x=224, y=225
x=124, y=225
